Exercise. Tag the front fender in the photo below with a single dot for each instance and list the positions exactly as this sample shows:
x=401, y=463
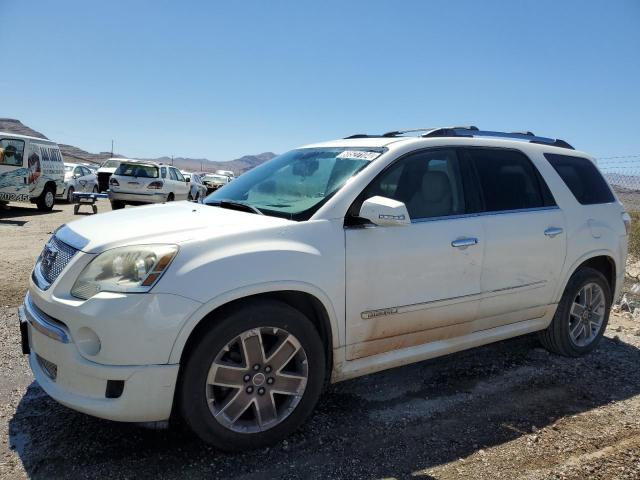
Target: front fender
x=246, y=291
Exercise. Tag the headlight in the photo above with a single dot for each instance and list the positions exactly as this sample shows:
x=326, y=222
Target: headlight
x=125, y=269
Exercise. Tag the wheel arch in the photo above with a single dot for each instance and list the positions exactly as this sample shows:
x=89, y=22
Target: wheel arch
x=602, y=261
x=313, y=304
x=48, y=184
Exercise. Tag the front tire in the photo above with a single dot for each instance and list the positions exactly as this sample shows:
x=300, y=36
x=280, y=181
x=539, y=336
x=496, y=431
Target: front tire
x=254, y=376
x=70, y=191
x=582, y=315
x=47, y=199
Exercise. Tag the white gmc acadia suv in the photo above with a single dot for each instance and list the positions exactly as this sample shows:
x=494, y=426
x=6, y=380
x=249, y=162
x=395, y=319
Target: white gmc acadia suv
x=329, y=262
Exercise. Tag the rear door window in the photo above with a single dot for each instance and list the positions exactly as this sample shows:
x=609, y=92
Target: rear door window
x=582, y=177
x=508, y=180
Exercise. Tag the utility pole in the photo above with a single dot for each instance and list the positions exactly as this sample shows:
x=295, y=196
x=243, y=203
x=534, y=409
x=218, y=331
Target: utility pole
x=172, y=160
x=111, y=148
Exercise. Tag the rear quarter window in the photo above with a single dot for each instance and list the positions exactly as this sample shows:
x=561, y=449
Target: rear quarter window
x=582, y=177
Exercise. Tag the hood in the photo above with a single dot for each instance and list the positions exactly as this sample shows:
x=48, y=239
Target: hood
x=173, y=222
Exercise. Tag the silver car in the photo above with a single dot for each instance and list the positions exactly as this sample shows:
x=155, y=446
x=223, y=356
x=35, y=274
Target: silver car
x=77, y=178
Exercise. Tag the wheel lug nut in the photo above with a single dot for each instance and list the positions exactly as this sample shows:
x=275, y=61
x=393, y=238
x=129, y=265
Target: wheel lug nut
x=256, y=367
x=247, y=377
x=249, y=389
x=267, y=368
x=270, y=380
x=261, y=391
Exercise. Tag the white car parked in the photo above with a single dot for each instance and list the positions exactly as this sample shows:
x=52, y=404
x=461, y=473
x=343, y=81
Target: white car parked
x=197, y=190
x=77, y=178
x=329, y=262
x=139, y=183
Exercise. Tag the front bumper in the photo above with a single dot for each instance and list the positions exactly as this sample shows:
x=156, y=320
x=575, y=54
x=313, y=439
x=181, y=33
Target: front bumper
x=155, y=197
x=143, y=393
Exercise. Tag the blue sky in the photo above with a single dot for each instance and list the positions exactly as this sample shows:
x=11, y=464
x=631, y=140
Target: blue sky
x=222, y=79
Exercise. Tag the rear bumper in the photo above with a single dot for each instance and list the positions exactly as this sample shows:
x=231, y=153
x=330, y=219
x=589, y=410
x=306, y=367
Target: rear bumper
x=145, y=393
x=137, y=197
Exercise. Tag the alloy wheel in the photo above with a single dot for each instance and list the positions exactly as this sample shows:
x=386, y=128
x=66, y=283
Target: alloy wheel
x=257, y=380
x=587, y=314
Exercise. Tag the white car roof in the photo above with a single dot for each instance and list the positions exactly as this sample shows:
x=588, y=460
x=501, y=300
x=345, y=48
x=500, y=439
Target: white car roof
x=506, y=140
x=27, y=137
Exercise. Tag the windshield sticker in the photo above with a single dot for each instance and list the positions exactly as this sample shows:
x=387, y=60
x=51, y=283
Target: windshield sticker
x=359, y=154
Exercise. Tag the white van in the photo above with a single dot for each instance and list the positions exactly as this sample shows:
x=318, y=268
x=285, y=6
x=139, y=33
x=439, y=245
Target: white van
x=31, y=170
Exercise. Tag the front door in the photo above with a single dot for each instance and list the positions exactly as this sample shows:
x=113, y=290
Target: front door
x=414, y=284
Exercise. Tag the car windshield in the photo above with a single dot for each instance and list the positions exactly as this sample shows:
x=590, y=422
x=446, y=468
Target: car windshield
x=137, y=170
x=294, y=185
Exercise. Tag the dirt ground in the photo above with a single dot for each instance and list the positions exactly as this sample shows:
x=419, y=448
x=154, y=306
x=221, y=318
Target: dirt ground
x=509, y=410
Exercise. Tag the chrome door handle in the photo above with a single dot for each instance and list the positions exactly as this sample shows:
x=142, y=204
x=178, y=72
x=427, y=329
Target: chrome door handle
x=553, y=231
x=464, y=242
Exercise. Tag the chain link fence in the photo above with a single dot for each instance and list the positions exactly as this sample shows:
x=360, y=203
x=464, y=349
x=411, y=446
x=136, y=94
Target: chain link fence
x=623, y=174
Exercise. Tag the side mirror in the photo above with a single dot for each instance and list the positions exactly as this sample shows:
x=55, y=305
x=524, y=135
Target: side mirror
x=188, y=180
x=385, y=212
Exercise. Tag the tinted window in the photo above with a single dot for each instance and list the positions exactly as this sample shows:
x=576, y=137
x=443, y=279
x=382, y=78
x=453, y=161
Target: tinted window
x=429, y=183
x=136, y=170
x=164, y=172
x=508, y=180
x=172, y=174
x=582, y=177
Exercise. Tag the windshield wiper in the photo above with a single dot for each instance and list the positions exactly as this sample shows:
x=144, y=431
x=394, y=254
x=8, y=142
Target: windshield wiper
x=233, y=205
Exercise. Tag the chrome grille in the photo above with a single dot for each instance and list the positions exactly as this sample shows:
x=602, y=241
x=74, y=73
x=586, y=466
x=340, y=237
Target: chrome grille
x=54, y=257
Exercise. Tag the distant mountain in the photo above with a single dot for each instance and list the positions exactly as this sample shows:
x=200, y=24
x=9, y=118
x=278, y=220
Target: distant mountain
x=12, y=125
x=75, y=154
x=239, y=165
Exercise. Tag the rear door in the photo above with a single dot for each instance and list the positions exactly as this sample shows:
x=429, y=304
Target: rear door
x=525, y=238
x=182, y=190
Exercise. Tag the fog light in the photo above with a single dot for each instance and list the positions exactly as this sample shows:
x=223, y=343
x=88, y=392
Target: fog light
x=87, y=341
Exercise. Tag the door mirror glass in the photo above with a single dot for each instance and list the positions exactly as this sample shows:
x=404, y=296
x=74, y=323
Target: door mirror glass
x=385, y=212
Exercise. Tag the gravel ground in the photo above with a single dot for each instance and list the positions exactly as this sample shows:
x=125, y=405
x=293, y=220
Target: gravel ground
x=508, y=410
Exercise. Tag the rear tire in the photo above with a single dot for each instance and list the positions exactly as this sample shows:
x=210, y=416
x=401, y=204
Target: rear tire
x=170, y=197
x=230, y=345
x=575, y=330
x=47, y=199
x=117, y=205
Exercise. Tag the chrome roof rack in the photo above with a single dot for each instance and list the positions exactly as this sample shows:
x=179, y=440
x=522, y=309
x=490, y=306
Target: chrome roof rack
x=471, y=131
